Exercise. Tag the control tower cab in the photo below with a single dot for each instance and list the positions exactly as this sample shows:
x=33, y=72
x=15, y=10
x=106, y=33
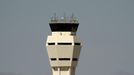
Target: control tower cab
x=63, y=46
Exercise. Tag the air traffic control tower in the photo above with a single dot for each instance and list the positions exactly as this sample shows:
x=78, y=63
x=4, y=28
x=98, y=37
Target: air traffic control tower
x=63, y=46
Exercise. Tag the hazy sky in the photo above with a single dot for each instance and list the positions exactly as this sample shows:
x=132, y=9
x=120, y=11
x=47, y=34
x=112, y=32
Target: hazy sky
x=106, y=30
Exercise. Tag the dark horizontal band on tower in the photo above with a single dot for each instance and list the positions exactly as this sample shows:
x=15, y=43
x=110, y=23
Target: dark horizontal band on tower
x=51, y=43
x=74, y=59
x=66, y=59
x=76, y=43
x=53, y=59
x=64, y=43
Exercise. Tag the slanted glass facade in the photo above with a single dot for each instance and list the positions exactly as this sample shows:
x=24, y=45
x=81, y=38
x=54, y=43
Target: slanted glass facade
x=65, y=27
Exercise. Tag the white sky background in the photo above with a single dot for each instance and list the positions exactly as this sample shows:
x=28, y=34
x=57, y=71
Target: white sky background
x=106, y=30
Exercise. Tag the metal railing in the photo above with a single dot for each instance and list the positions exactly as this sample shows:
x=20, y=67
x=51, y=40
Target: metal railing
x=64, y=19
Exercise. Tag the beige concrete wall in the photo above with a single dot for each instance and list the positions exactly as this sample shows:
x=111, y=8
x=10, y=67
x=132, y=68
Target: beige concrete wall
x=63, y=51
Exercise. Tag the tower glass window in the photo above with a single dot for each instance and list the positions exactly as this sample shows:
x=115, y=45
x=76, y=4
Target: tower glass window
x=64, y=27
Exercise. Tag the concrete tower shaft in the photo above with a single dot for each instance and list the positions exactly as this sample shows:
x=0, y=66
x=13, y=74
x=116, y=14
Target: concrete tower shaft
x=63, y=46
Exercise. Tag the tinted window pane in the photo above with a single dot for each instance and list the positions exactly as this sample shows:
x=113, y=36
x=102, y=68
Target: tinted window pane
x=64, y=27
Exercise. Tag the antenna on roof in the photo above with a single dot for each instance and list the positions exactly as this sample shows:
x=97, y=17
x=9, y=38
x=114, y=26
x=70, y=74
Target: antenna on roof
x=72, y=16
x=63, y=19
x=64, y=16
x=55, y=18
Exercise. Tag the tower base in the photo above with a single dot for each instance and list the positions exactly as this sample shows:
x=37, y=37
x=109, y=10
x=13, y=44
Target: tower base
x=63, y=71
